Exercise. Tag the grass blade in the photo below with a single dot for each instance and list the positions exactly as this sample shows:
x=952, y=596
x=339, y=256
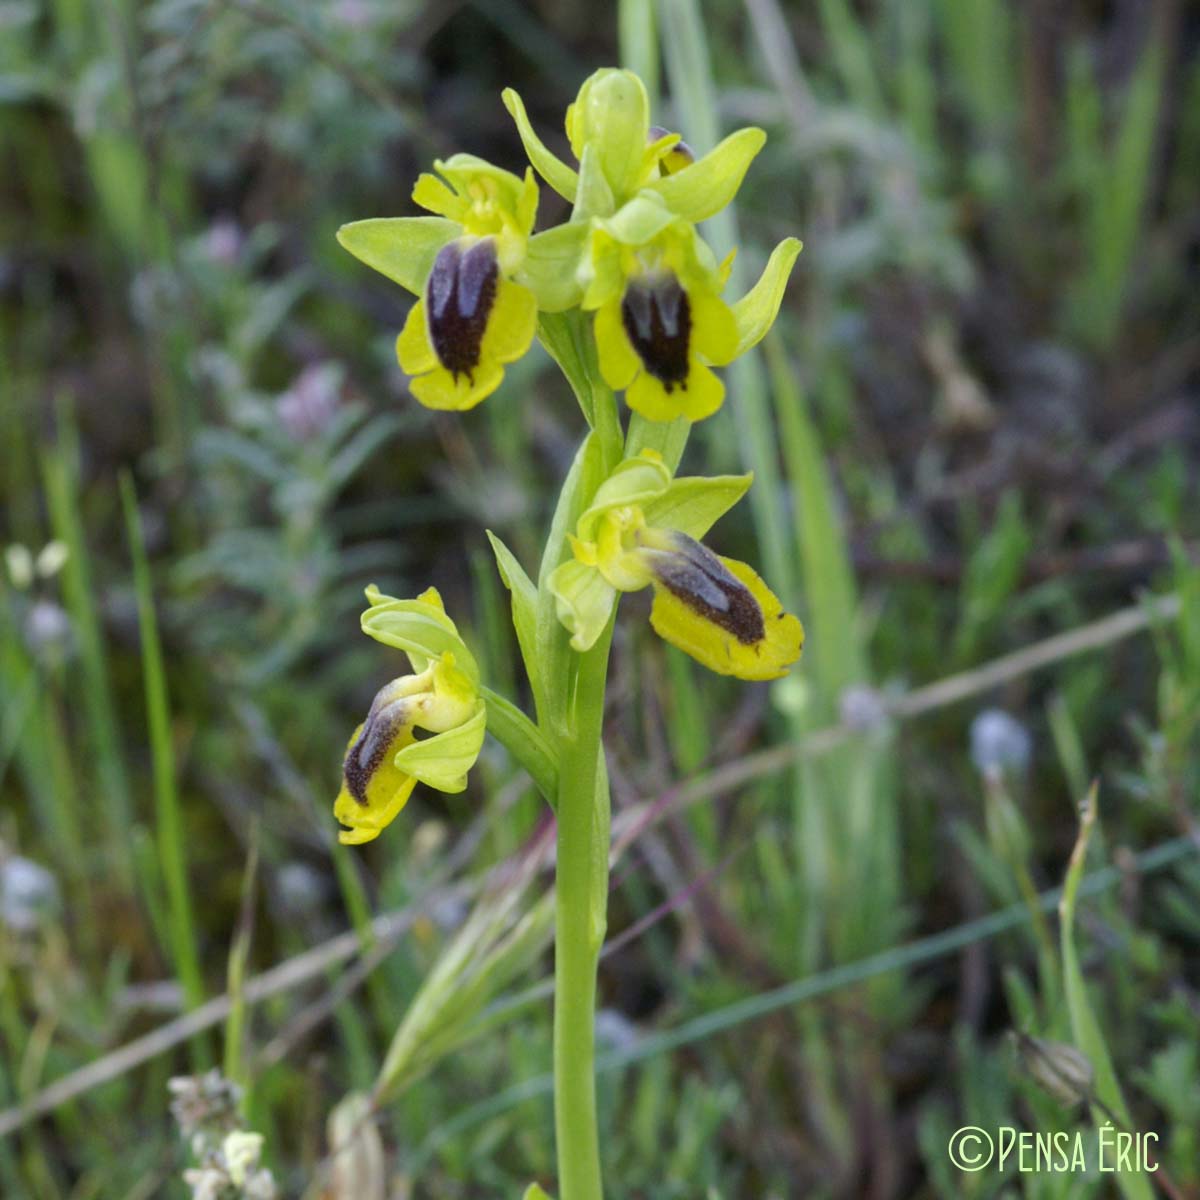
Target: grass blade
x=167, y=816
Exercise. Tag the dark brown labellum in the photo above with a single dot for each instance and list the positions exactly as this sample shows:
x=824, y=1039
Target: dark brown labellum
x=458, y=301
x=696, y=576
x=370, y=748
x=681, y=149
x=658, y=323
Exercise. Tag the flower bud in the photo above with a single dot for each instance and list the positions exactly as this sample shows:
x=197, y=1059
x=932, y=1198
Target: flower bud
x=612, y=115
x=1059, y=1069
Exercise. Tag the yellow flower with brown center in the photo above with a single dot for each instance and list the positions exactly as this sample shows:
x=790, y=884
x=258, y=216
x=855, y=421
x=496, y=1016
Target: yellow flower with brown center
x=661, y=324
x=385, y=759
x=641, y=530
x=468, y=324
x=471, y=318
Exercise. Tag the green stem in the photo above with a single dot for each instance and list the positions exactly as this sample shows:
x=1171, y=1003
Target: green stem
x=581, y=893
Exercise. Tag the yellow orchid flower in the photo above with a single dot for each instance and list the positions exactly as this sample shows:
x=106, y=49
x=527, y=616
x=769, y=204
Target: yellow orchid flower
x=471, y=317
x=641, y=530
x=661, y=324
x=385, y=760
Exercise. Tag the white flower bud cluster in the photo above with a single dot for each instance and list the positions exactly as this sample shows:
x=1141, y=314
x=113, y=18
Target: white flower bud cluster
x=228, y=1157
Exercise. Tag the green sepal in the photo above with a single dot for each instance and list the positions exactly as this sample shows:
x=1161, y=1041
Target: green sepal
x=402, y=248
x=583, y=601
x=633, y=481
x=695, y=503
x=549, y=166
x=756, y=311
x=442, y=761
x=551, y=266
x=533, y=1192
x=704, y=188
x=524, y=612
x=639, y=220
x=594, y=197
x=420, y=629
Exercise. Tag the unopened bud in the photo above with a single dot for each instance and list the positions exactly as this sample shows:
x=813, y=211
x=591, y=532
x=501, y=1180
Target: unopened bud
x=1058, y=1069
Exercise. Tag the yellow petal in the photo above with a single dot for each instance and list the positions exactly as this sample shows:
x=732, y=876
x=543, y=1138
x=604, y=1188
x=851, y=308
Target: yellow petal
x=511, y=323
x=649, y=397
x=688, y=627
x=433, y=195
x=441, y=390
x=714, y=328
x=702, y=394
x=386, y=793
x=619, y=362
x=413, y=347
x=367, y=826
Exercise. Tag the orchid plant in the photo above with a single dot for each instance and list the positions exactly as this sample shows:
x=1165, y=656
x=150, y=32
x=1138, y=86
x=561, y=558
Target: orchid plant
x=625, y=296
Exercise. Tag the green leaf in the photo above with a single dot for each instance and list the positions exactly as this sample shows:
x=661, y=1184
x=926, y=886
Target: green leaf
x=668, y=438
x=549, y=166
x=1085, y=1028
x=524, y=612
x=755, y=312
x=694, y=504
x=442, y=761
x=711, y=182
x=559, y=333
x=533, y=1192
x=554, y=653
x=524, y=741
x=551, y=265
x=402, y=248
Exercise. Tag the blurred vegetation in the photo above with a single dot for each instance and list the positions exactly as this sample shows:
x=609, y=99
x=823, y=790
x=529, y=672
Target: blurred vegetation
x=977, y=424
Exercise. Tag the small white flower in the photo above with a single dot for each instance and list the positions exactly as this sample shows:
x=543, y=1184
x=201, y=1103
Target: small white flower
x=28, y=893
x=47, y=629
x=242, y=1151
x=999, y=742
x=862, y=708
x=52, y=558
x=19, y=562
